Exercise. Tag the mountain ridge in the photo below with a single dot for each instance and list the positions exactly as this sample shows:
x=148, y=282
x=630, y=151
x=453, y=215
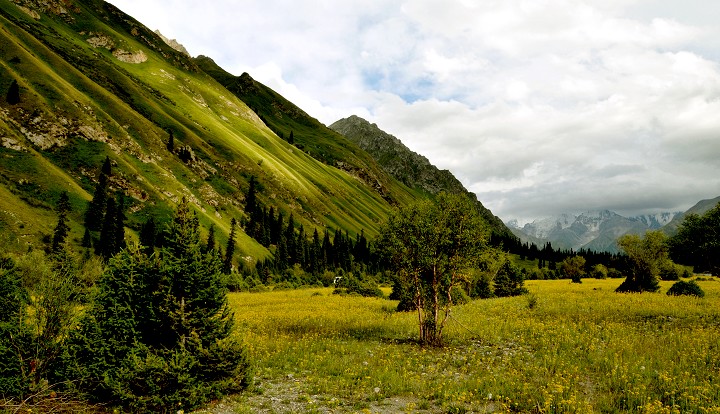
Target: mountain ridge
x=412, y=169
x=592, y=230
x=96, y=83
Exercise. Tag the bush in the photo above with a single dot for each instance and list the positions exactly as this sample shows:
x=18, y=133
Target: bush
x=671, y=271
x=509, y=281
x=614, y=273
x=689, y=288
x=599, y=272
x=482, y=287
x=351, y=284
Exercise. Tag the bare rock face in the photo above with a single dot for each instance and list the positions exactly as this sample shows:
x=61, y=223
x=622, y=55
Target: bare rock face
x=130, y=57
x=410, y=168
x=173, y=44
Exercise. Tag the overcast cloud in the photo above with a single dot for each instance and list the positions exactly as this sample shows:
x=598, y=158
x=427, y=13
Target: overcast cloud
x=538, y=106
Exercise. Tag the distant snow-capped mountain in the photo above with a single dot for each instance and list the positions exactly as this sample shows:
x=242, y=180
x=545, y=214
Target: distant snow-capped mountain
x=592, y=230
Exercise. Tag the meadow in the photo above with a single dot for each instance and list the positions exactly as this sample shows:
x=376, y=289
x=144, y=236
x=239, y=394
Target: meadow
x=564, y=348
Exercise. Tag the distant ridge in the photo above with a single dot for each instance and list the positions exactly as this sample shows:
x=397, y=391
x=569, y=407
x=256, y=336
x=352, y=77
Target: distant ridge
x=702, y=207
x=592, y=230
x=408, y=167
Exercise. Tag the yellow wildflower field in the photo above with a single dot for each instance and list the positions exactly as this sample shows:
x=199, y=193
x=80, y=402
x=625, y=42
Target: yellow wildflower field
x=564, y=348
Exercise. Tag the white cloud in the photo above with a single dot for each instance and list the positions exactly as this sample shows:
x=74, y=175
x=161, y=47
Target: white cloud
x=538, y=106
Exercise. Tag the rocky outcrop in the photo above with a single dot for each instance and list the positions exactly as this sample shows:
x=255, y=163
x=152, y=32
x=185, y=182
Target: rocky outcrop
x=173, y=44
x=406, y=166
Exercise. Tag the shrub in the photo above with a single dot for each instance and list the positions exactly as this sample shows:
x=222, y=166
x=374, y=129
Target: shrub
x=671, y=271
x=599, y=272
x=351, y=284
x=482, y=287
x=689, y=288
x=509, y=281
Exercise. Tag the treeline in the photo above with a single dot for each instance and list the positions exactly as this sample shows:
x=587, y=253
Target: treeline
x=549, y=259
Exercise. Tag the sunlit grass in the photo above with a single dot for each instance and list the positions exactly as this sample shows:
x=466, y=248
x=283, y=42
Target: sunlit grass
x=579, y=348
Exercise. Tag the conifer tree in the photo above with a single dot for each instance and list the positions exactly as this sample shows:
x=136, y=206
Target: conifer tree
x=230, y=249
x=210, y=244
x=13, y=93
x=106, y=245
x=315, y=248
x=148, y=236
x=158, y=334
x=61, y=229
x=171, y=141
x=251, y=198
x=290, y=244
x=119, y=235
x=96, y=210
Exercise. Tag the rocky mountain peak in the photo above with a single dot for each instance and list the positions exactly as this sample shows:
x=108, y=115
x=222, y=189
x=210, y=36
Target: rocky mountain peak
x=173, y=43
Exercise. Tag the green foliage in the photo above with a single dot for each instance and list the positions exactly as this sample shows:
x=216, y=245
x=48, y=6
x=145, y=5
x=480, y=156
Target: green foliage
x=13, y=299
x=158, y=334
x=645, y=255
x=573, y=267
x=667, y=270
x=599, y=271
x=433, y=247
x=352, y=285
x=689, y=288
x=61, y=228
x=697, y=242
x=509, y=281
x=39, y=298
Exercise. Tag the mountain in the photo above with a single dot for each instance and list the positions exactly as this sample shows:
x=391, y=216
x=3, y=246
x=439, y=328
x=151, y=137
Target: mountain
x=81, y=81
x=91, y=82
x=408, y=167
x=702, y=207
x=594, y=230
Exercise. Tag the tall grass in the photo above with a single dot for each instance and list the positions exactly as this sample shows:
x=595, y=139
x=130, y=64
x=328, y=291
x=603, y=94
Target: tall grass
x=566, y=348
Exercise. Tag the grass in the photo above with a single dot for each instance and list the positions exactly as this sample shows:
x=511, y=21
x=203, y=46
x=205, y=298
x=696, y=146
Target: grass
x=566, y=348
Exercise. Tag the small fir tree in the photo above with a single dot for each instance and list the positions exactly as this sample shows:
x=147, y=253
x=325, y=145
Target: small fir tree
x=61, y=229
x=159, y=332
x=13, y=93
x=230, y=249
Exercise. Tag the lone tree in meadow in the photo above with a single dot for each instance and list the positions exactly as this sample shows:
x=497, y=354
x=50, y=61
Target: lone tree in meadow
x=574, y=268
x=645, y=256
x=433, y=246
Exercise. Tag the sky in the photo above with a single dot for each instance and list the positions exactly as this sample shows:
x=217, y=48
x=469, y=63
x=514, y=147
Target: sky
x=540, y=107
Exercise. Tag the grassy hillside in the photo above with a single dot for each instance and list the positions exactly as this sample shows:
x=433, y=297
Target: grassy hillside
x=95, y=83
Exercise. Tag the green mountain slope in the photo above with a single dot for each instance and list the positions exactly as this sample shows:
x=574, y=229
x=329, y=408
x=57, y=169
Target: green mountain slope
x=94, y=83
x=308, y=134
x=700, y=208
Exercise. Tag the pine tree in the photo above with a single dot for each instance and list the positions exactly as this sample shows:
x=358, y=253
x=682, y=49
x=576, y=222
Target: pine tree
x=119, y=235
x=148, y=236
x=106, y=245
x=210, y=244
x=61, y=229
x=158, y=334
x=251, y=198
x=171, y=141
x=96, y=209
x=291, y=139
x=290, y=244
x=230, y=249
x=13, y=93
